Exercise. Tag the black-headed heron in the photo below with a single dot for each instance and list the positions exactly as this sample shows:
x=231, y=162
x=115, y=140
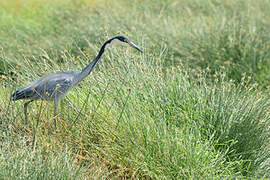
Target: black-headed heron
x=54, y=86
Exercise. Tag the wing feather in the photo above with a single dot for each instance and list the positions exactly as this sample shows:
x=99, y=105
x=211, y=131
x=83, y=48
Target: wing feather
x=47, y=87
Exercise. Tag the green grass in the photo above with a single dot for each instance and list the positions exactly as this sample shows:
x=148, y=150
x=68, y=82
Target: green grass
x=194, y=105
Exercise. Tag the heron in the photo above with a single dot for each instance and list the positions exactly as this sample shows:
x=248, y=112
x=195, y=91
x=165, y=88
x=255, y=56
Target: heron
x=53, y=87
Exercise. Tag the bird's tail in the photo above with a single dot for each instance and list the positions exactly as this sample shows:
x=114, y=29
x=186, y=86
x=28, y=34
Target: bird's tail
x=19, y=94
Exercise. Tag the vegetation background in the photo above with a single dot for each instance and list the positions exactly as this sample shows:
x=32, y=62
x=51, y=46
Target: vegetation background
x=194, y=105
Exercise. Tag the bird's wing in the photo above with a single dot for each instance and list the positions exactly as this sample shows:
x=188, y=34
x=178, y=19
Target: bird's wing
x=47, y=87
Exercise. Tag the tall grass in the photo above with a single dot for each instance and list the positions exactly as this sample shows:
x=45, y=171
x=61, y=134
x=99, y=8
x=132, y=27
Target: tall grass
x=188, y=107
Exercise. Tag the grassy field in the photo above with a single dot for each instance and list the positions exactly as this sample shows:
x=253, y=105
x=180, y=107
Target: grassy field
x=194, y=105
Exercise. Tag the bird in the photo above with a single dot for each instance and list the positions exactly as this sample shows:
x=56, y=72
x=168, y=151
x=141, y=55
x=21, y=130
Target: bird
x=54, y=86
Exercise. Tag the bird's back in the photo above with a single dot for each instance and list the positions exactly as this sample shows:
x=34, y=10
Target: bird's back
x=47, y=87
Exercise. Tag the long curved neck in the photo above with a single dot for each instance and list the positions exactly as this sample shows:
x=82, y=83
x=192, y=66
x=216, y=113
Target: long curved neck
x=88, y=69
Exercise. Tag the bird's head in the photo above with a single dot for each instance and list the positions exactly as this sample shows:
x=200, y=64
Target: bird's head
x=125, y=40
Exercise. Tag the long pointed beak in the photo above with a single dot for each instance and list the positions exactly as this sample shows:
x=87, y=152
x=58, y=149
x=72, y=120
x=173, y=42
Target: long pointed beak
x=134, y=46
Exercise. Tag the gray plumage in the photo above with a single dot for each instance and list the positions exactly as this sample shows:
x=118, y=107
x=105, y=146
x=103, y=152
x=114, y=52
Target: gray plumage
x=54, y=86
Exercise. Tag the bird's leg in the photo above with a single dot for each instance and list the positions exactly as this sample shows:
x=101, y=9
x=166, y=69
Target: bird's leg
x=25, y=110
x=56, y=102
